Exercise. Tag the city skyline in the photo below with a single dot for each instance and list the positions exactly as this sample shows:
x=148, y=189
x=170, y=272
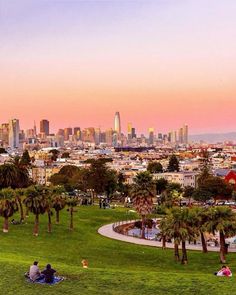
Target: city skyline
x=160, y=63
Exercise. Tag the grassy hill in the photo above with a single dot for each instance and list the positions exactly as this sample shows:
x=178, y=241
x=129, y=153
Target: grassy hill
x=114, y=267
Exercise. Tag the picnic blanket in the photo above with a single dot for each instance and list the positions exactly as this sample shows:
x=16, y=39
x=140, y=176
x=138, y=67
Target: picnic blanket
x=42, y=281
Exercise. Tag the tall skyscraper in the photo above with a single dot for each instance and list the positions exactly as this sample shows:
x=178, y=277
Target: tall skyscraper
x=151, y=135
x=44, y=127
x=185, y=134
x=133, y=133
x=181, y=135
x=14, y=131
x=117, y=124
x=67, y=133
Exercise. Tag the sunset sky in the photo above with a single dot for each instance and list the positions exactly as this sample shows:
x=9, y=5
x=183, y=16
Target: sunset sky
x=160, y=63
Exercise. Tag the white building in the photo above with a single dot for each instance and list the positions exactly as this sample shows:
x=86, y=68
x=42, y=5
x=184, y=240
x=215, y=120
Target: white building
x=184, y=178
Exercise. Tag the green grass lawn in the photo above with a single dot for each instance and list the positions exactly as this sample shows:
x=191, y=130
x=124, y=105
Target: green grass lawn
x=114, y=267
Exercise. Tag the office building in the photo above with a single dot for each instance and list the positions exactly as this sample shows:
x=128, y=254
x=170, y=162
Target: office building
x=44, y=127
x=14, y=131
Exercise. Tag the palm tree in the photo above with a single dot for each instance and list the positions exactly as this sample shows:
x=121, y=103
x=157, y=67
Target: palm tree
x=58, y=201
x=22, y=179
x=142, y=195
x=170, y=229
x=47, y=193
x=36, y=202
x=19, y=194
x=223, y=221
x=71, y=202
x=8, y=176
x=180, y=225
x=201, y=217
x=8, y=206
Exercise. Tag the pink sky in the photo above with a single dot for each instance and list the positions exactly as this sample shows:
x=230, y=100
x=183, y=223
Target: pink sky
x=160, y=64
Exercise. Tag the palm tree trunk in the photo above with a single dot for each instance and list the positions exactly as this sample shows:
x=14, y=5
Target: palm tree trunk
x=204, y=245
x=176, y=251
x=22, y=217
x=27, y=212
x=5, y=225
x=164, y=242
x=143, y=227
x=49, y=222
x=36, y=225
x=57, y=217
x=184, y=253
x=222, y=247
x=71, y=218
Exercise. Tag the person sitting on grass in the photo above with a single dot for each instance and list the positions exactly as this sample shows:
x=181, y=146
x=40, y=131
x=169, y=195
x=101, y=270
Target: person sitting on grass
x=34, y=272
x=224, y=272
x=48, y=273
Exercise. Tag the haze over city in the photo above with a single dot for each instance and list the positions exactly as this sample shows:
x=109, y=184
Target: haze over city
x=77, y=62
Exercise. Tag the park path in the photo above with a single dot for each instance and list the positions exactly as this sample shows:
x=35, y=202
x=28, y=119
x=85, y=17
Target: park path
x=107, y=231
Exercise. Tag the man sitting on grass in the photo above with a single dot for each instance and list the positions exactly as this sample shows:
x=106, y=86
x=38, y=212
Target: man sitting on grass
x=48, y=273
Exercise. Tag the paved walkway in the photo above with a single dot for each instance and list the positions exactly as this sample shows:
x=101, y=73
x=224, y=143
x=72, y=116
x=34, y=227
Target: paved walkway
x=107, y=231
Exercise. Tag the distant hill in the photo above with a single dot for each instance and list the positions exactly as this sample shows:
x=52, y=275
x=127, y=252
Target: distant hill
x=213, y=137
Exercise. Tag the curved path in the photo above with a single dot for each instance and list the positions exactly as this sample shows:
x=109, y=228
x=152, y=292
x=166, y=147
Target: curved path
x=107, y=231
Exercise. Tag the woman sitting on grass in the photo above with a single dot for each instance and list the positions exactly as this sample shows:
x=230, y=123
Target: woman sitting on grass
x=224, y=272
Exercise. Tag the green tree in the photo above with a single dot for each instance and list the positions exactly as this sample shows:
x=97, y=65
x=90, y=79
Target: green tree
x=173, y=165
x=25, y=159
x=58, y=201
x=54, y=154
x=201, y=219
x=188, y=193
x=223, y=221
x=8, y=206
x=8, y=176
x=154, y=167
x=36, y=202
x=161, y=185
x=71, y=202
x=65, y=155
x=181, y=225
x=142, y=196
x=2, y=151
x=19, y=195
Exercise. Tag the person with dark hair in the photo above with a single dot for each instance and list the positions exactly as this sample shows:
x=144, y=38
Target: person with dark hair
x=224, y=272
x=48, y=273
x=34, y=272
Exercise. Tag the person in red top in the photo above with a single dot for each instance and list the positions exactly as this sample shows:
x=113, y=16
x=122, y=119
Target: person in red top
x=224, y=272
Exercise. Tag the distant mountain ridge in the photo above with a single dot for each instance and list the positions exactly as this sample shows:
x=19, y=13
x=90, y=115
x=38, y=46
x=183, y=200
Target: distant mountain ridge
x=213, y=137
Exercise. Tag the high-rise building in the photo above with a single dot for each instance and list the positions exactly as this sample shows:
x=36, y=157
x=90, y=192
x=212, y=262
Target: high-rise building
x=76, y=129
x=97, y=135
x=185, y=134
x=44, y=127
x=109, y=136
x=151, y=135
x=117, y=124
x=14, y=131
x=61, y=132
x=133, y=133
x=67, y=133
x=4, y=134
x=129, y=131
x=181, y=135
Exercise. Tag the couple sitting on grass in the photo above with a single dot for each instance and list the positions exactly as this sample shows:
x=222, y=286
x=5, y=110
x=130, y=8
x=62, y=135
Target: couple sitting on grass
x=47, y=274
x=224, y=272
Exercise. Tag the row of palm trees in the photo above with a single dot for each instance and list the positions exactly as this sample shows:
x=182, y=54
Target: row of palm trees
x=183, y=225
x=37, y=200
